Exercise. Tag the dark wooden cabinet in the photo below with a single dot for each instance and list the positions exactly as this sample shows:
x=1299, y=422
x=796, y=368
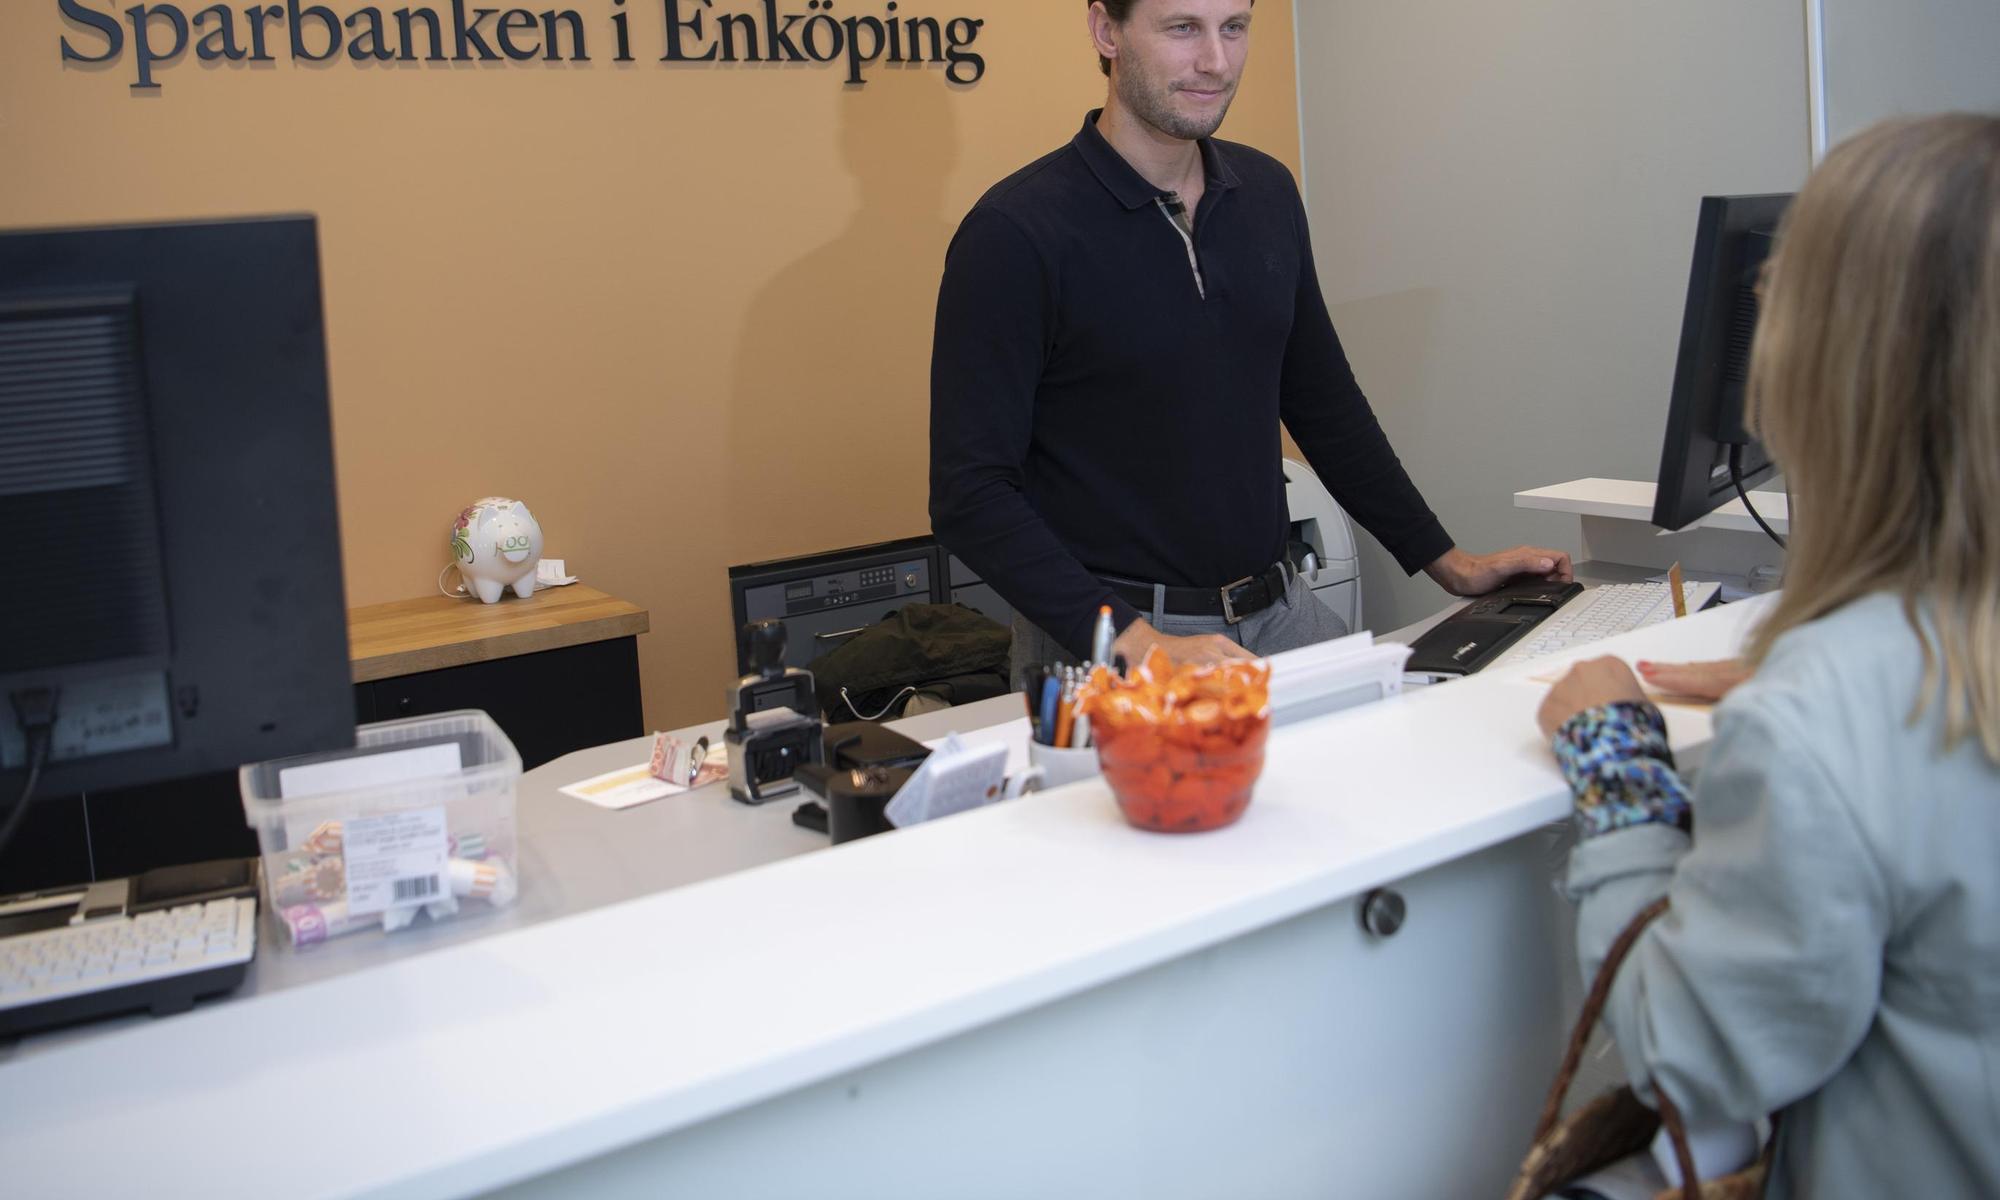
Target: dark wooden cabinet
x=558, y=671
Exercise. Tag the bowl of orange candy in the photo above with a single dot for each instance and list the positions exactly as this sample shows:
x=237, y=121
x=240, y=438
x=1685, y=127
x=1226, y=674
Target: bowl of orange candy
x=1181, y=746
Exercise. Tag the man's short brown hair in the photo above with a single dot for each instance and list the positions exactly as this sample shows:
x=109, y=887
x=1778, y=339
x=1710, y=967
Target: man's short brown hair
x=1118, y=11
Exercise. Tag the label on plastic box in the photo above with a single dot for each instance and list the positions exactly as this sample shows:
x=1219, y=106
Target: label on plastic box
x=396, y=860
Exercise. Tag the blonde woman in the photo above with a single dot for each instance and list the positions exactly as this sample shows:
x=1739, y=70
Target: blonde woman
x=1833, y=946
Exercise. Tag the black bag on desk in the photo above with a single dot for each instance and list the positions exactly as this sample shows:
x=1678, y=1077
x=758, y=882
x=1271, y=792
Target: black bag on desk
x=943, y=648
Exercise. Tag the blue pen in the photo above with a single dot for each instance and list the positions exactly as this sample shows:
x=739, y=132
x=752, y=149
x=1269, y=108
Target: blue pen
x=1051, y=689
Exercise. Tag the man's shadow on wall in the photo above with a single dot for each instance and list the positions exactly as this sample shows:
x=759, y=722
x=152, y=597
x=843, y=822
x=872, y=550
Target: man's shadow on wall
x=831, y=402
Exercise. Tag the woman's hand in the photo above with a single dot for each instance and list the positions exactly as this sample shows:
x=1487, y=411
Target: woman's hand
x=1700, y=680
x=1589, y=684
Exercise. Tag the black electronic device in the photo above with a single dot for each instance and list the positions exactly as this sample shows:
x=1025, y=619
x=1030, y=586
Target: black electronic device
x=825, y=599
x=853, y=744
x=862, y=760
x=167, y=484
x=774, y=726
x=856, y=798
x=1480, y=632
x=1708, y=456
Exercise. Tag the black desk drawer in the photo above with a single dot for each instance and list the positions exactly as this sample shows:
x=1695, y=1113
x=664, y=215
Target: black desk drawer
x=549, y=703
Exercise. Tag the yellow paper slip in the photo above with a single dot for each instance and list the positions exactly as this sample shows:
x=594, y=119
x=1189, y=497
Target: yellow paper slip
x=622, y=788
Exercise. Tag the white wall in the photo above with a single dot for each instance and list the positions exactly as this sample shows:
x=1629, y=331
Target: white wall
x=1891, y=57
x=1502, y=200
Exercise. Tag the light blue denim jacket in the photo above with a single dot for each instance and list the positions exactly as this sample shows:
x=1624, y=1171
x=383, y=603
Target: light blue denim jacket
x=1833, y=945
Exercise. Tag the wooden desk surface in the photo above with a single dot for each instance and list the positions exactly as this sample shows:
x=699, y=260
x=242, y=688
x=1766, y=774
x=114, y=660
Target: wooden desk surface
x=434, y=632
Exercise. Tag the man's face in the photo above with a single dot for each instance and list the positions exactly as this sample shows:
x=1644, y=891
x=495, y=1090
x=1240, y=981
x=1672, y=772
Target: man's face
x=1178, y=62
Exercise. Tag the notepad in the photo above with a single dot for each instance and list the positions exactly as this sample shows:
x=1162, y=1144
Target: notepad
x=954, y=777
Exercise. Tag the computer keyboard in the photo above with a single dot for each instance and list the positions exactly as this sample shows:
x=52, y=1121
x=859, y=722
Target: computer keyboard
x=105, y=948
x=1603, y=611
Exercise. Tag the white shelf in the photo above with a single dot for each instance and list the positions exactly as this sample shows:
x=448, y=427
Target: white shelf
x=1632, y=500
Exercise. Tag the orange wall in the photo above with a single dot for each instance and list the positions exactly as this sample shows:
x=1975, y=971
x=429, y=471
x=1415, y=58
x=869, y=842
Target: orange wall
x=684, y=312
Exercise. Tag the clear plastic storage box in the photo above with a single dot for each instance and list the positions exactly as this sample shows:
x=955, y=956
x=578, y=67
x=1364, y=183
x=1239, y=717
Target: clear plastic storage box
x=415, y=823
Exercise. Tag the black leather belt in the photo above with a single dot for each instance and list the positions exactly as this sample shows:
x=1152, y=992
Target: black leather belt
x=1232, y=602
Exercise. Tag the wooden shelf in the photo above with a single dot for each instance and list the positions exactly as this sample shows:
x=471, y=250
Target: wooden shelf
x=435, y=632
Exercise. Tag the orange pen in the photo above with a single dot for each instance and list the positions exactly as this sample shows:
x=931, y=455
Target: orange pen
x=1065, y=716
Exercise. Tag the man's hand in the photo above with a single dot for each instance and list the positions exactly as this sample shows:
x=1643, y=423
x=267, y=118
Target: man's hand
x=1589, y=684
x=1464, y=574
x=1140, y=636
x=1700, y=680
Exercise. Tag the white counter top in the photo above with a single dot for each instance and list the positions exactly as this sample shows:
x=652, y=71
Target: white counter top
x=506, y=1057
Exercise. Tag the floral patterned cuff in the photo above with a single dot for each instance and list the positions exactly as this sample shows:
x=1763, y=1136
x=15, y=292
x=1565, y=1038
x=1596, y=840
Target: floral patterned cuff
x=1620, y=768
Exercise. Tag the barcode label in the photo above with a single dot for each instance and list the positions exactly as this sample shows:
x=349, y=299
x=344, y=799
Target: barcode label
x=423, y=887
x=394, y=860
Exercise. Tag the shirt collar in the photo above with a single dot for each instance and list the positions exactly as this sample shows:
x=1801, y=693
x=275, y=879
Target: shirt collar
x=1127, y=185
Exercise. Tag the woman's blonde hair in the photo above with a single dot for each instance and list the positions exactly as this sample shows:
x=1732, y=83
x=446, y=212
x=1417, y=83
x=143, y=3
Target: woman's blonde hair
x=1875, y=383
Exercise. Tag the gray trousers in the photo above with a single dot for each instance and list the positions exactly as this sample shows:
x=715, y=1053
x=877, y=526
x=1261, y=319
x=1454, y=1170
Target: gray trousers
x=1299, y=619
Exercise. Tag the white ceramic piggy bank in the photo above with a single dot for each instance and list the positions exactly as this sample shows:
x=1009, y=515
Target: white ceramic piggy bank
x=497, y=544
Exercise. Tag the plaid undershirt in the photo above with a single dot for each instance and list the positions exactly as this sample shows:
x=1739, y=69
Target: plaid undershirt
x=1175, y=208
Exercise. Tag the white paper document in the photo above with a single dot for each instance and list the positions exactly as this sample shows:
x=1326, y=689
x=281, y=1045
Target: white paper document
x=623, y=788
x=1013, y=734
x=394, y=860
x=369, y=770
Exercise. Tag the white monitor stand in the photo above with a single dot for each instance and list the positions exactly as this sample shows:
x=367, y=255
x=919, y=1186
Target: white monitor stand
x=1617, y=516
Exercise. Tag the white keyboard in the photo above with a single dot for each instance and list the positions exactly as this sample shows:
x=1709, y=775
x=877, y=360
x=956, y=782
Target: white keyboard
x=1601, y=612
x=152, y=960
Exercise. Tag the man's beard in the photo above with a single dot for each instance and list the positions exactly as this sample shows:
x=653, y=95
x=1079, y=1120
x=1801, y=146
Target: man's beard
x=1152, y=103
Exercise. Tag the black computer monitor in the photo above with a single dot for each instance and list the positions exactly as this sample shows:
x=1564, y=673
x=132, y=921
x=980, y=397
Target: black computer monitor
x=1706, y=440
x=167, y=502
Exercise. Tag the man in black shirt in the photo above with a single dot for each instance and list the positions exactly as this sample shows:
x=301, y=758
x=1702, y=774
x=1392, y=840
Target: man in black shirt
x=1121, y=328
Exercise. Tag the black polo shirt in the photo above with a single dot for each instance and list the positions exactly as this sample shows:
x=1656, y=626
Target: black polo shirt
x=1105, y=399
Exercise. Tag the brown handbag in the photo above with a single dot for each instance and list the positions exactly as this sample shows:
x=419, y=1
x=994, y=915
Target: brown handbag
x=1616, y=1124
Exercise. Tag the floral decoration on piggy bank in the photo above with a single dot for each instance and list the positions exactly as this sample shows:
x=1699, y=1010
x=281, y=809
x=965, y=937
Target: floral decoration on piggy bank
x=496, y=544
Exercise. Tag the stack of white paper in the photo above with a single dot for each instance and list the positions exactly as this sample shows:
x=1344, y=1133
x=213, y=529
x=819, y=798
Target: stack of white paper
x=1330, y=676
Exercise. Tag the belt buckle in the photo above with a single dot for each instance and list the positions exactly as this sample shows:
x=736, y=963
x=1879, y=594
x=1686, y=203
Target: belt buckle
x=1228, y=609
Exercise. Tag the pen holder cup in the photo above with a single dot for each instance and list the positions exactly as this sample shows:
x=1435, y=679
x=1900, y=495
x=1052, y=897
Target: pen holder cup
x=1183, y=779
x=1054, y=766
